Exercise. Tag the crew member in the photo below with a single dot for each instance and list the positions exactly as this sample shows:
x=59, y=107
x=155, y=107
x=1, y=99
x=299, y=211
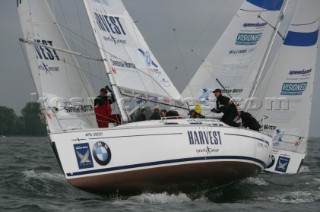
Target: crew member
x=102, y=107
x=193, y=114
x=227, y=107
x=163, y=113
x=156, y=114
x=249, y=121
x=142, y=116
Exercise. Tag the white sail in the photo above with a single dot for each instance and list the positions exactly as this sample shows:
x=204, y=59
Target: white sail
x=288, y=89
x=62, y=87
x=131, y=66
x=236, y=58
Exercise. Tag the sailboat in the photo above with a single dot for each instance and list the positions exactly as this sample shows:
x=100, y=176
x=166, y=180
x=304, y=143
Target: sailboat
x=288, y=88
x=159, y=155
x=285, y=89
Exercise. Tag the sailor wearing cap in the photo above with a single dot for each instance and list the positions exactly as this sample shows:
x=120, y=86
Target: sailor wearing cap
x=227, y=107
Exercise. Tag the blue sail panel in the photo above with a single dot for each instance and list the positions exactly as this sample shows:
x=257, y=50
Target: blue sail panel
x=301, y=38
x=272, y=5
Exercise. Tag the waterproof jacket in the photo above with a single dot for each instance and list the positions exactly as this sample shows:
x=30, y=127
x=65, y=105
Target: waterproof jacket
x=224, y=105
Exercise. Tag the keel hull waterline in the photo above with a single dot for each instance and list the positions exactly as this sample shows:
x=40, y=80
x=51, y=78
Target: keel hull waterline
x=161, y=156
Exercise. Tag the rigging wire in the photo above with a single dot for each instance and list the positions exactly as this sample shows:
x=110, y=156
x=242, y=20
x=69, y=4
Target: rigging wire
x=83, y=43
x=80, y=74
x=177, y=42
x=112, y=55
x=190, y=47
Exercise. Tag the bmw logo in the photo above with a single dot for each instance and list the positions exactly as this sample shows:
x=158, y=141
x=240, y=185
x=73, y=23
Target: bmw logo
x=101, y=153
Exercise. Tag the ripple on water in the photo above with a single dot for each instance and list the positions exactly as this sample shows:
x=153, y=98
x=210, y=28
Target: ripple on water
x=42, y=183
x=255, y=181
x=296, y=197
x=161, y=198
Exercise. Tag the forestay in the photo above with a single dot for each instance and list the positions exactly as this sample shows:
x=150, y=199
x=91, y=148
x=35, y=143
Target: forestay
x=132, y=68
x=289, y=87
x=237, y=56
x=63, y=89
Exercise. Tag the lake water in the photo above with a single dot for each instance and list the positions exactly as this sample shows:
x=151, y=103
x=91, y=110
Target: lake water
x=31, y=180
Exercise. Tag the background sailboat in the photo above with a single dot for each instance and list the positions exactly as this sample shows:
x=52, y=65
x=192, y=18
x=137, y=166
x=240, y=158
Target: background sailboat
x=284, y=109
x=287, y=90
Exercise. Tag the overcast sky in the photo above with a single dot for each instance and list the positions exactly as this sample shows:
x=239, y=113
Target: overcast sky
x=198, y=25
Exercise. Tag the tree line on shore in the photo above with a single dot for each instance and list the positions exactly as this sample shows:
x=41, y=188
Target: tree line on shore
x=28, y=124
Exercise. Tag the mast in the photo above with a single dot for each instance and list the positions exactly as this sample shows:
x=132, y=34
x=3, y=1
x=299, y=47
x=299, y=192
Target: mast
x=116, y=90
x=267, y=52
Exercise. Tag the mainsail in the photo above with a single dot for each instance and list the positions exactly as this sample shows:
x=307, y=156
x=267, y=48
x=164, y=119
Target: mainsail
x=63, y=89
x=132, y=68
x=235, y=61
x=288, y=87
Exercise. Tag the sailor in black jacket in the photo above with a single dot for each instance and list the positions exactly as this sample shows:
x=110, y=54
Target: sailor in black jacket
x=227, y=107
x=249, y=121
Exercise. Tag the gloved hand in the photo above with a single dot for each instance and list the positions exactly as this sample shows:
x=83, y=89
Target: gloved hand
x=214, y=110
x=107, y=87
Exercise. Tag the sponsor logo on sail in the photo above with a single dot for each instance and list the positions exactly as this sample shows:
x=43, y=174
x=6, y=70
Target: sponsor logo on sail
x=239, y=51
x=248, y=38
x=269, y=127
x=104, y=2
x=282, y=164
x=48, y=69
x=204, y=138
x=114, y=40
x=148, y=59
x=293, y=88
x=255, y=25
x=101, y=153
x=278, y=135
x=83, y=155
x=45, y=53
x=235, y=90
x=154, y=68
x=78, y=108
x=300, y=72
x=205, y=94
x=110, y=24
x=122, y=64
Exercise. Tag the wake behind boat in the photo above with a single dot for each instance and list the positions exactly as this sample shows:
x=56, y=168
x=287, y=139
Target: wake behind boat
x=167, y=154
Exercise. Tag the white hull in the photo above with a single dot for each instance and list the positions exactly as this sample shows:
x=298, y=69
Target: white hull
x=159, y=155
x=285, y=162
